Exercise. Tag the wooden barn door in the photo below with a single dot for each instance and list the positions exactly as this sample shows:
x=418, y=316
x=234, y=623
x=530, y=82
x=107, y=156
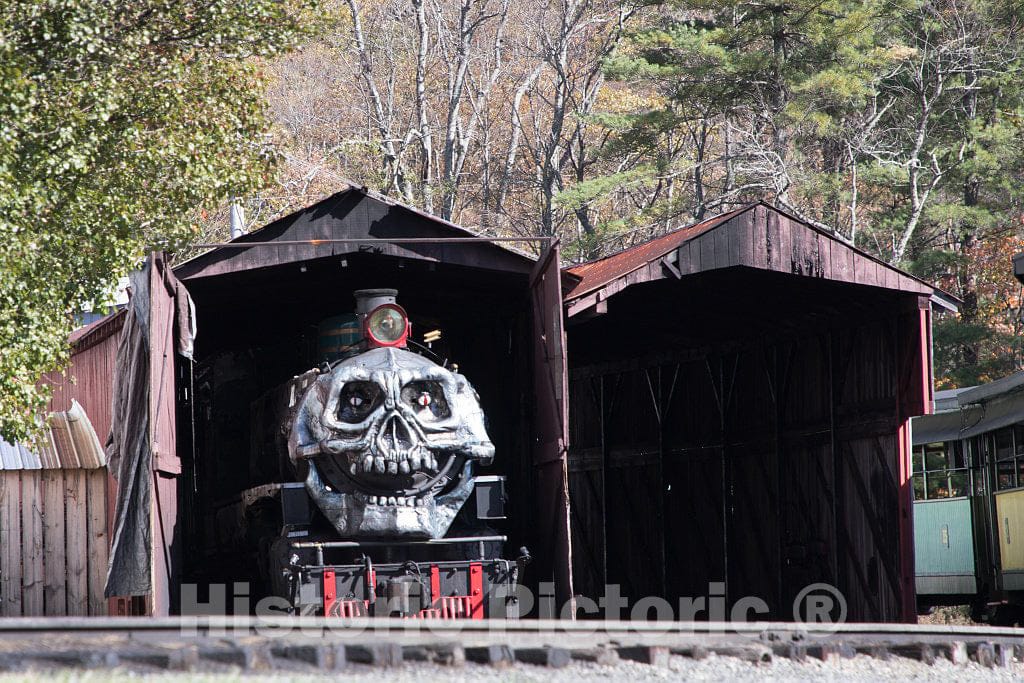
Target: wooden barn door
x=166, y=295
x=587, y=483
x=554, y=562
x=633, y=482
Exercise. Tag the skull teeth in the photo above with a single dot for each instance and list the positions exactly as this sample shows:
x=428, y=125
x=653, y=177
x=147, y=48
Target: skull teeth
x=397, y=501
x=393, y=462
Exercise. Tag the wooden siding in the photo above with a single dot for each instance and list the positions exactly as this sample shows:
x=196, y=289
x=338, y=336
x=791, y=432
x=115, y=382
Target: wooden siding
x=53, y=559
x=89, y=381
x=764, y=468
x=770, y=240
x=760, y=237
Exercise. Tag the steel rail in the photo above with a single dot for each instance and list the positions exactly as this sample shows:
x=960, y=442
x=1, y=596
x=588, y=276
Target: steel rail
x=212, y=643
x=10, y=625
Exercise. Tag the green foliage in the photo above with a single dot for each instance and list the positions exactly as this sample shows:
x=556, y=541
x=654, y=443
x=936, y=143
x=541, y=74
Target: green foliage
x=587, y=191
x=117, y=121
x=898, y=122
x=951, y=335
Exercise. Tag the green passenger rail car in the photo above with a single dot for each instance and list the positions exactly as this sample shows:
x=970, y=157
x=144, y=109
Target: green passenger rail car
x=968, y=478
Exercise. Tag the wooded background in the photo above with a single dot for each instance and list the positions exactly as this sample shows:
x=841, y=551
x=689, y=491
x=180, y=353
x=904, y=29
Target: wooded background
x=126, y=127
x=897, y=125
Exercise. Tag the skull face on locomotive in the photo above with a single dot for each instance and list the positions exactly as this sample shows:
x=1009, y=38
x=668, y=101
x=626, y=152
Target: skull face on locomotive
x=385, y=442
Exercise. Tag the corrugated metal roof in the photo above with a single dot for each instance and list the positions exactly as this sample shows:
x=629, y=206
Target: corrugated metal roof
x=17, y=457
x=69, y=443
x=596, y=274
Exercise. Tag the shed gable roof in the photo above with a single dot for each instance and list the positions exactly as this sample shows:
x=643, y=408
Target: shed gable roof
x=755, y=236
x=359, y=214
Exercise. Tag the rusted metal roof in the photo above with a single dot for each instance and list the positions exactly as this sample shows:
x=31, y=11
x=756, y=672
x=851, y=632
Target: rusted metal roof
x=70, y=442
x=87, y=335
x=767, y=238
x=596, y=274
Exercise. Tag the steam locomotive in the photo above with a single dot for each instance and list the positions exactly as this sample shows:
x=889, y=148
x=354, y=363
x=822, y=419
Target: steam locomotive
x=384, y=443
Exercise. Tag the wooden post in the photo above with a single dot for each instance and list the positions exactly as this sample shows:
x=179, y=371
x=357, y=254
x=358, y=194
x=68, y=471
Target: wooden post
x=54, y=557
x=98, y=546
x=10, y=549
x=76, y=537
x=32, y=543
x=914, y=397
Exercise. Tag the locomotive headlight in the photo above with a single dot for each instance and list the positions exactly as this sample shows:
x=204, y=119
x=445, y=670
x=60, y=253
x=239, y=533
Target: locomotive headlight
x=386, y=325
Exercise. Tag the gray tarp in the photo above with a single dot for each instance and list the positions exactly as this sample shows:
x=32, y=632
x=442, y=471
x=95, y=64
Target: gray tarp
x=129, y=446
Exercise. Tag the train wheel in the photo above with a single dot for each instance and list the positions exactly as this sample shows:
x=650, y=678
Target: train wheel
x=1007, y=615
x=982, y=612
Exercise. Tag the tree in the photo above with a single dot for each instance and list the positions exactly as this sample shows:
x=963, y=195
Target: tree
x=118, y=121
x=967, y=104
x=477, y=110
x=897, y=125
x=764, y=94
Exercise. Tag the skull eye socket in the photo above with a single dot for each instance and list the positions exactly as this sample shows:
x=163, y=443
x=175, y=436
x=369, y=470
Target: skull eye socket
x=357, y=400
x=427, y=400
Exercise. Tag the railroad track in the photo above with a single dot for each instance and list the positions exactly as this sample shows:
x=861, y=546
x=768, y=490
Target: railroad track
x=314, y=644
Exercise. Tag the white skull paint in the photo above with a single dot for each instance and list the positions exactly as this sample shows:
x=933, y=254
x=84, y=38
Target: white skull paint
x=390, y=438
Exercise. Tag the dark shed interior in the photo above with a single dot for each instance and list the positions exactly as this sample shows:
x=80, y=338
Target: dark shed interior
x=258, y=311
x=735, y=431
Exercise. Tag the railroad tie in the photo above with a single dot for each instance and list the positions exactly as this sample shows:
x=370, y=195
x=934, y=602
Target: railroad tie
x=493, y=655
x=602, y=656
x=376, y=654
x=554, y=657
x=653, y=655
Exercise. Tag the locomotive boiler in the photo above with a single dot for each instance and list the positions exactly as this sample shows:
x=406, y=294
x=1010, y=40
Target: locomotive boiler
x=384, y=443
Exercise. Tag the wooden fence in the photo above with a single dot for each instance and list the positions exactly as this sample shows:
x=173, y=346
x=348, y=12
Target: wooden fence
x=53, y=542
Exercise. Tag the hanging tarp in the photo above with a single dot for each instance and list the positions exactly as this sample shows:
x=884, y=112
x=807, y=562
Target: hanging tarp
x=139, y=420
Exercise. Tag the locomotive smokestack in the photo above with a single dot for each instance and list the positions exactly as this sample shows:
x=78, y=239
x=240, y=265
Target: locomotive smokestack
x=369, y=299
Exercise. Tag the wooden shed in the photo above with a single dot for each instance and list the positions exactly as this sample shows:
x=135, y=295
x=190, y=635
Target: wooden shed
x=740, y=391
x=737, y=397
x=260, y=304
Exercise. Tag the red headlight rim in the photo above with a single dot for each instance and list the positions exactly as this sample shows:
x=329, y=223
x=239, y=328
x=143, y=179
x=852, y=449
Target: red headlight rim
x=373, y=340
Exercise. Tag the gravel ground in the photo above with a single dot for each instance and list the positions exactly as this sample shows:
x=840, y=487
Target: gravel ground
x=948, y=616
x=860, y=668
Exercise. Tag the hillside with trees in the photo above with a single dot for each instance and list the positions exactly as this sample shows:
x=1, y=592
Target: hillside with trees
x=897, y=125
